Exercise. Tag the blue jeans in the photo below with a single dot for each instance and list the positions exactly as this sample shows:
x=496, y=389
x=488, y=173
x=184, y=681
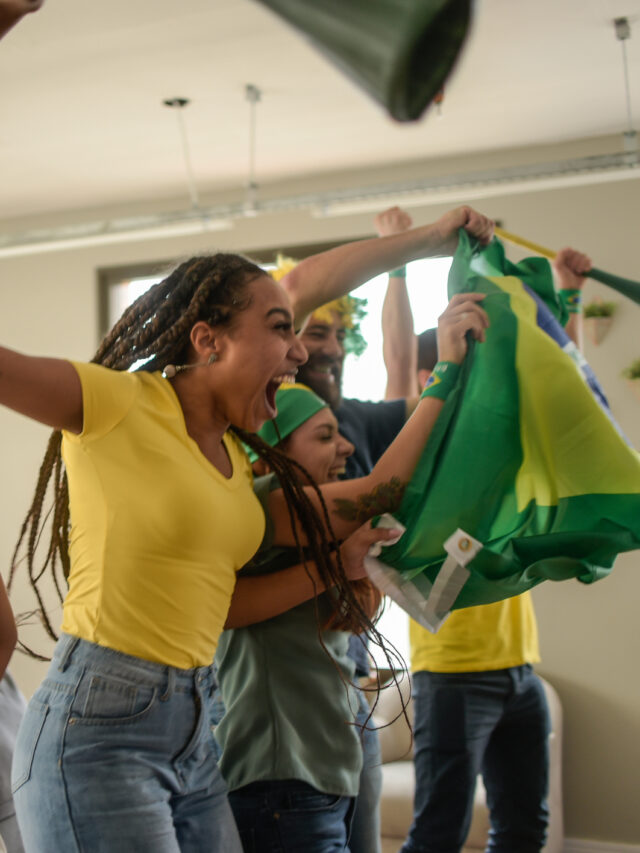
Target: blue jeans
x=496, y=723
x=290, y=816
x=114, y=754
x=365, y=826
x=12, y=708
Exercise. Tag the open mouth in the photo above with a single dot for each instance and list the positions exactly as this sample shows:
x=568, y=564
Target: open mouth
x=270, y=396
x=271, y=390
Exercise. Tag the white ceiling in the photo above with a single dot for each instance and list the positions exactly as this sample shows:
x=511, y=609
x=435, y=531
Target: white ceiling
x=82, y=123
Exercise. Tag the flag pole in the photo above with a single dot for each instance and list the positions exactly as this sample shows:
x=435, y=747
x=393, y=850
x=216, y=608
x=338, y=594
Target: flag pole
x=625, y=286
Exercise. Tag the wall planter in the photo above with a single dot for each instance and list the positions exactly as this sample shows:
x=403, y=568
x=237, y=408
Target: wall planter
x=598, y=318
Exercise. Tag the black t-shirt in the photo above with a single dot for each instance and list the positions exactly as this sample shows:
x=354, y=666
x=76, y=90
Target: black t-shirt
x=370, y=427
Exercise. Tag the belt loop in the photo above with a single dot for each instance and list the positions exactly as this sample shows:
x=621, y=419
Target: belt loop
x=65, y=658
x=171, y=682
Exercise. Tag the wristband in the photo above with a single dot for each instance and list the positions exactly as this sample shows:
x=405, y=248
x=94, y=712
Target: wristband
x=401, y=272
x=571, y=300
x=442, y=380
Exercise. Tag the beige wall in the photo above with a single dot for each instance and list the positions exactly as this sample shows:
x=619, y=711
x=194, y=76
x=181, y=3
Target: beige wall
x=589, y=637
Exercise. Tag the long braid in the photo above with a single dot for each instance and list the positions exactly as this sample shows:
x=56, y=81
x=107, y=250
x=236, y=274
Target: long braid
x=350, y=612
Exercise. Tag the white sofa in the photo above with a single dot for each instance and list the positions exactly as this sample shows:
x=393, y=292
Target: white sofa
x=399, y=782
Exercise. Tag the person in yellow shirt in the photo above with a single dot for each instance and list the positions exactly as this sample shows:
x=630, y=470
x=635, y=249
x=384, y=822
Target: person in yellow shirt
x=115, y=749
x=479, y=706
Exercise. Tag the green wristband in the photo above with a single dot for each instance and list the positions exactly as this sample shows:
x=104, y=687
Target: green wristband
x=401, y=272
x=571, y=299
x=442, y=380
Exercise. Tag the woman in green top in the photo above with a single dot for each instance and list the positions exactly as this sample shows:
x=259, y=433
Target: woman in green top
x=286, y=682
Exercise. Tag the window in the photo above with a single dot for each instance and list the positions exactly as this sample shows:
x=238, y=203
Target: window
x=365, y=377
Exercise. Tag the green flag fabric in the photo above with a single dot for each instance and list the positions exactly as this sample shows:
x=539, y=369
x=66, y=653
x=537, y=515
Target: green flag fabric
x=525, y=472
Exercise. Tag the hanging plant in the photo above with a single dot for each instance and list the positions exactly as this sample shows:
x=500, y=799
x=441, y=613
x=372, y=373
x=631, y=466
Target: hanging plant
x=632, y=375
x=599, y=309
x=633, y=370
x=598, y=317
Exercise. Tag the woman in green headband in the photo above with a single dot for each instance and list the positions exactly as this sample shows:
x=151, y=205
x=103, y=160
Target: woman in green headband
x=285, y=682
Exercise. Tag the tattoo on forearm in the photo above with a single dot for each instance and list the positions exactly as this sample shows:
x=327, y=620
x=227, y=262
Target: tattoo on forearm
x=384, y=498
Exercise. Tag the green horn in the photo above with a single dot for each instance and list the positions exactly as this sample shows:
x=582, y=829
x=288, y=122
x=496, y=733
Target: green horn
x=399, y=51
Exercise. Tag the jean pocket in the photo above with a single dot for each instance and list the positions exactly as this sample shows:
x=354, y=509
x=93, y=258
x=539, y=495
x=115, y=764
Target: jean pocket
x=106, y=700
x=28, y=737
x=312, y=800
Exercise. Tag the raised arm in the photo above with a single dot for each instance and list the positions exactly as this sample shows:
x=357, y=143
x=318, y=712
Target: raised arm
x=570, y=268
x=329, y=275
x=360, y=499
x=399, y=343
x=45, y=389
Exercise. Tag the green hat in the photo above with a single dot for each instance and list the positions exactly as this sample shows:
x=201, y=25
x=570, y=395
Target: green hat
x=295, y=404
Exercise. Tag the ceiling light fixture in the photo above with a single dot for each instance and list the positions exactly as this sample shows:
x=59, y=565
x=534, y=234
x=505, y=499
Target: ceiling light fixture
x=206, y=222
x=253, y=95
x=178, y=105
x=622, y=29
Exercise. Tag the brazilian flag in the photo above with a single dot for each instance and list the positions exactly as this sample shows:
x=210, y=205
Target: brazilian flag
x=525, y=461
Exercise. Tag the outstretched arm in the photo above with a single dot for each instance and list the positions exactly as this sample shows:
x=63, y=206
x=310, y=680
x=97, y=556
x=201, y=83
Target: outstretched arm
x=360, y=498
x=570, y=268
x=45, y=389
x=399, y=343
x=12, y=10
x=265, y=596
x=329, y=275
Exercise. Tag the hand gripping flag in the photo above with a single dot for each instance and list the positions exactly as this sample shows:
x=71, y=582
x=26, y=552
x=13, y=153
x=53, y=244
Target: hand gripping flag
x=526, y=477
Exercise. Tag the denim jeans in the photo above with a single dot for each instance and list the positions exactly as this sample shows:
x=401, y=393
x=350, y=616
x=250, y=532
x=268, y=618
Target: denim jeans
x=290, y=816
x=12, y=708
x=114, y=755
x=365, y=826
x=496, y=723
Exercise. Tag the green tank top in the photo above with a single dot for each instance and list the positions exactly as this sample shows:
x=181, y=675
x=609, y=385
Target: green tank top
x=288, y=712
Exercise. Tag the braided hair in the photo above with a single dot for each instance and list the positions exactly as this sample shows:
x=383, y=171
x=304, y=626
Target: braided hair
x=155, y=330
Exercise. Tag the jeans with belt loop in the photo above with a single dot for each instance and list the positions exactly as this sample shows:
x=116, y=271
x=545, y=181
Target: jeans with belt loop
x=114, y=755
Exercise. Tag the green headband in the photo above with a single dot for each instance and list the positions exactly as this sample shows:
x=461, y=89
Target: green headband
x=295, y=405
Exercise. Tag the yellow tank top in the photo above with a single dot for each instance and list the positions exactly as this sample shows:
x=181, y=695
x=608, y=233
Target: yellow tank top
x=157, y=532
x=477, y=639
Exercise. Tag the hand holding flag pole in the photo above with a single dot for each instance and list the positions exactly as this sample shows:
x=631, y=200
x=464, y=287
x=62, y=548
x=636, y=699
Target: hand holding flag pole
x=625, y=286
